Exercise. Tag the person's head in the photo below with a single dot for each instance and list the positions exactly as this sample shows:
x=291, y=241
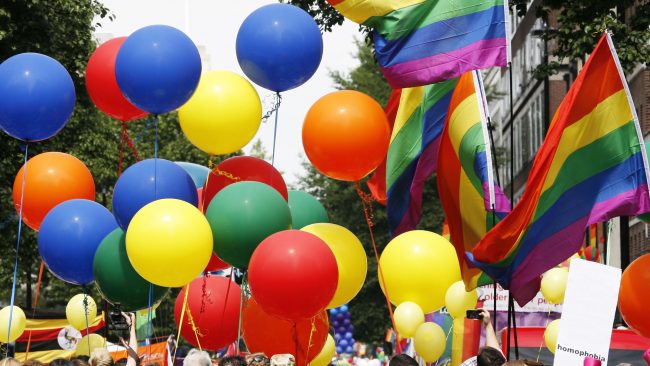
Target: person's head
x=488, y=356
x=56, y=362
x=121, y=362
x=197, y=358
x=258, y=359
x=33, y=363
x=231, y=361
x=283, y=359
x=78, y=361
x=100, y=357
x=9, y=361
x=402, y=360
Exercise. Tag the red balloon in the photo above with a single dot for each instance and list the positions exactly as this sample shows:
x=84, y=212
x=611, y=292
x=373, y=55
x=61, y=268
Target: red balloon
x=216, y=264
x=213, y=304
x=270, y=335
x=242, y=168
x=102, y=85
x=293, y=274
x=633, y=300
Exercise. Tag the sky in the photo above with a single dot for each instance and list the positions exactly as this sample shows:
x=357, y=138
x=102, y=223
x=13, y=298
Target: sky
x=214, y=25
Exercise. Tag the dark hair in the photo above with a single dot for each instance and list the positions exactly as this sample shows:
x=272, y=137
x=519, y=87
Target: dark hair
x=60, y=362
x=488, y=356
x=402, y=360
x=79, y=361
x=232, y=361
x=121, y=361
x=33, y=363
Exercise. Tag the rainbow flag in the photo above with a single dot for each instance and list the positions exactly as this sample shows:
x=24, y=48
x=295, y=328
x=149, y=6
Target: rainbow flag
x=421, y=42
x=591, y=167
x=413, y=151
x=472, y=202
x=465, y=340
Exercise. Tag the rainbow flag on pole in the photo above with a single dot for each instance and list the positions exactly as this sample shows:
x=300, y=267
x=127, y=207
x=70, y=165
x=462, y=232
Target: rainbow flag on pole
x=591, y=167
x=472, y=202
x=413, y=151
x=420, y=42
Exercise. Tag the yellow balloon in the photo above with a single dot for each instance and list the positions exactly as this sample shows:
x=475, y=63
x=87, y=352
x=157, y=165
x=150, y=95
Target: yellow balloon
x=419, y=266
x=76, y=310
x=350, y=258
x=223, y=114
x=17, y=324
x=169, y=242
x=550, y=335
x=325, y=356
x=458, y=301
x=554, y=285
x=408, y=317
x=429, y=341
x=88, y=343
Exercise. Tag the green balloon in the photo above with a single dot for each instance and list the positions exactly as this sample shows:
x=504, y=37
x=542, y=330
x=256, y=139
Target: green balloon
x=645, y=217
x=242, y=215
x=116, y=278
x=305, y=210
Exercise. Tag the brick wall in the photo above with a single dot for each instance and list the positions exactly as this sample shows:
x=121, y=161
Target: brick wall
x=639, y=242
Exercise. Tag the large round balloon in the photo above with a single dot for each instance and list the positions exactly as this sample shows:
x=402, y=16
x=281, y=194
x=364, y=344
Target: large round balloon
x=550, y=335
x=36, y=96
x=147, y=181
x=419, y=266
x=345, y=135
x=458, y=300
x=633, y=301
x=213, y=303
x=242, y=168
x=69, y=237
x=293, y=275
x=350, y=257
x=305, y=210
x=279, y=47
x=169, y=242
x=326, y=354
x=18, y=323
x=51, y=178
x=88, y=343
x=241, y=216
x=198, y=173
x=553, y=285
x=102, y=86
x=223, y=115
x=81, y=311
x=117, y=280
x=270, y=335
x=158, y=68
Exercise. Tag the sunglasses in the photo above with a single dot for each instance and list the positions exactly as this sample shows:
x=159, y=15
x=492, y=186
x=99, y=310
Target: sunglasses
x=260, y=359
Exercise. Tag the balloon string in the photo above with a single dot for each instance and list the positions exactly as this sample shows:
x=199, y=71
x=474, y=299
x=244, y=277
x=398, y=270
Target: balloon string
x=366, y=202
x=155, y=156
x=85, y=302
x=34, y=304
x=18, y=235
x=244, y=283
x=195, y=328
x=205, y=185
x=180, y=322
x=311, y=333
x=149, y=318
x=276, y=109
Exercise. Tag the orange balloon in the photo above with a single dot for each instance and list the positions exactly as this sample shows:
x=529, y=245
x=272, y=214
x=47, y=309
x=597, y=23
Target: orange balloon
x=52, y=178
x=345, y=135
x=633, y=301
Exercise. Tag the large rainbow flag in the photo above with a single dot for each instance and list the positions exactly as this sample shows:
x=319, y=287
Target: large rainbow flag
x=591, y=167
x=420, y=42
x=472, y=202
x=413, y=151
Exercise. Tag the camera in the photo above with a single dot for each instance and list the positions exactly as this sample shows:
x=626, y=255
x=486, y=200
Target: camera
x=117, y=322
x=474, y=314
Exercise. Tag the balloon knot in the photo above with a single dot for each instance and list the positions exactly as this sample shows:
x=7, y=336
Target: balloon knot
x=228, y=175
x=277, y=100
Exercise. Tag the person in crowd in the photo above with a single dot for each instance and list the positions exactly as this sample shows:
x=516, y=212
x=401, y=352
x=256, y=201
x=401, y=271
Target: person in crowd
x=33, y=363
x=490, y=354
x=55, y=362
x=283, y=360
x=121, y=362
x=199, y=358
x=402, y=360
x=9, y=361
x=100, y=357
x=258, y=359
x=79, y=361
x=132, y=346
x=227, y=361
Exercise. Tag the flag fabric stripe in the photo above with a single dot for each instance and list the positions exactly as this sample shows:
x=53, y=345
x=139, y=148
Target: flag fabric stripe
x=590, y=168
x=413, y=152
x=423, y=42
x=464, y=182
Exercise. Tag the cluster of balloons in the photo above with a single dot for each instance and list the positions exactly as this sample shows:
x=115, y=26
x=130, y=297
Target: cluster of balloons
x=343, y=329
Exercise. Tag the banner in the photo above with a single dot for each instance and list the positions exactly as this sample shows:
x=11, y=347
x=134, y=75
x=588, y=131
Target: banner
x=537, y=305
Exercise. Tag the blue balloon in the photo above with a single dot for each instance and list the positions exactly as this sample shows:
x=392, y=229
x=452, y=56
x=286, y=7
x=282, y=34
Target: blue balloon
x=337, y=337
x=349, y=349
x=158, y=68
x=36, y=96
x=347, y=321
x=340, y=316
x=69, y=236
x=339, y=349
x=343, y=309
x=341, y=330
x=343, y=343
x=334, y=311
x=347, y=335
x=199, y=173
x=147, y=181
x=279, y=47
x=352, y=341
x=336, y=323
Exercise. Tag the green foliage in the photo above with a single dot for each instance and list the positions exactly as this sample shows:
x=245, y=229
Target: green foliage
x=581, y=23
x=323, y=13
x=368, y=309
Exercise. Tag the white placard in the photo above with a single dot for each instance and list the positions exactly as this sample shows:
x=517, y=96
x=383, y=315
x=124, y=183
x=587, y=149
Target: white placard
x=536, y=305
x=588, y=313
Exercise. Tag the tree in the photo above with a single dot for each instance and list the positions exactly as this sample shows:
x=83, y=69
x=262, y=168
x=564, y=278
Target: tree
x=323, y=13
x=368, y=309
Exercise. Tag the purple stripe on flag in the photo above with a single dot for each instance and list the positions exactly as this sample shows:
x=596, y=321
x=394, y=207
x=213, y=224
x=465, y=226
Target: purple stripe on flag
x=427, y=164
x=501, y=202
x=480, y=55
